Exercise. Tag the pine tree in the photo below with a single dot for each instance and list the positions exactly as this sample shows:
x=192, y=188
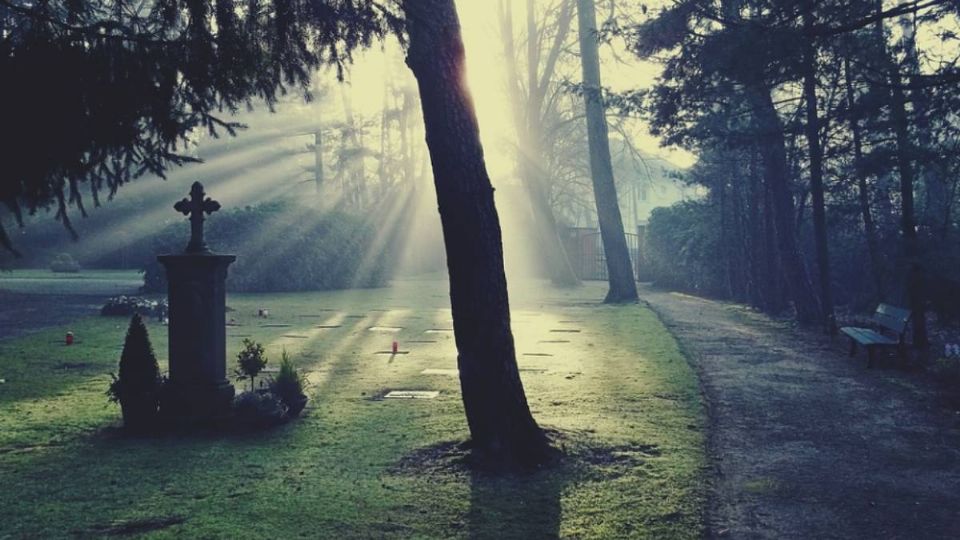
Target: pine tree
x=138, y=386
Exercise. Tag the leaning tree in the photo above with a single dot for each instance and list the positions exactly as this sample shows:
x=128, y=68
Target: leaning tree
x=497, y=412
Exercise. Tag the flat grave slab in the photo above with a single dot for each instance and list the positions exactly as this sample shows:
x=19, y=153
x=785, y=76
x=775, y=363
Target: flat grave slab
x=440, y=371
x=275, y=325
x=566, y=330
x=439, y=331
x=296, y=336
x=411, y=394
x=533, y=369
x=554, y=341
x=327, y=326
x=536, y=354
x=421, y=341
x=389, y=329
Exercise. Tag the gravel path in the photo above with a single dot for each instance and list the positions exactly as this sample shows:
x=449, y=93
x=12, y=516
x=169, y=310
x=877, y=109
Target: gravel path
x=805, y=442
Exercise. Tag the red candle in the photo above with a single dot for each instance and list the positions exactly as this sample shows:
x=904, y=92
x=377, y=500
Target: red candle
x=69, y=339
x=394, y=347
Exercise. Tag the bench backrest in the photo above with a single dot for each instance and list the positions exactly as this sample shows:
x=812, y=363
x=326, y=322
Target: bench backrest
x=892, y=318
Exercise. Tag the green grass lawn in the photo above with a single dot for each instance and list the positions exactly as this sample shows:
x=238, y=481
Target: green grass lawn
x=619, y=394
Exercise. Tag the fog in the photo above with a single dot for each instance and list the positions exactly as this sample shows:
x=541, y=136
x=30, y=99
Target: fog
x=375, y=162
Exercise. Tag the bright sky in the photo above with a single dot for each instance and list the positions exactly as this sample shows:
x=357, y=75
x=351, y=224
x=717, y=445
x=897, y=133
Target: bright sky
x=485, y=73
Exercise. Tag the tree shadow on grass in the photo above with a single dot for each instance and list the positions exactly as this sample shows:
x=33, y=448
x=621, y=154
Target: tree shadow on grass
x=511, y=502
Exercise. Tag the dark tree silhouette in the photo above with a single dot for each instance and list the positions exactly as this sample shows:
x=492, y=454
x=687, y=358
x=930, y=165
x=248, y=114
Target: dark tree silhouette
x=99, y=92
x=500, y=422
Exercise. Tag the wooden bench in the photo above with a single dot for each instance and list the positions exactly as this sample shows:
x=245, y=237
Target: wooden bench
x=892, y=324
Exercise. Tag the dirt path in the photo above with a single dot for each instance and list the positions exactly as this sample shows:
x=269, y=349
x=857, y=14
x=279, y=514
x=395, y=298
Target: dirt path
x=806, y=442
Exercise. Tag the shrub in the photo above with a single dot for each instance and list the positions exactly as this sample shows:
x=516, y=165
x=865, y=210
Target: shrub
x=250, y=361
x=681, y=248
x=128, y=305
x=64, y=263
x=137, y=388
x=259, y=409
x=288, y=385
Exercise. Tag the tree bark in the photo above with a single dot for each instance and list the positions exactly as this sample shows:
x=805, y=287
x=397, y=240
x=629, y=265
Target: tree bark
x=496, y=407
x=623, y=287
x=911, y=248
x=816, y=170
x=773, y=155
x=863, y=190
x=755, y=236
x=904, y=149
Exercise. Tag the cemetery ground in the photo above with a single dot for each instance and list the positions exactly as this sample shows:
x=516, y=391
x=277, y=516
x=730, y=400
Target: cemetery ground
x=609, y=383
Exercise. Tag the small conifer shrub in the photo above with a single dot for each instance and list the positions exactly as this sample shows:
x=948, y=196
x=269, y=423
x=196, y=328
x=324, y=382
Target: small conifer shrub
x=137, y=388
x=288, y=385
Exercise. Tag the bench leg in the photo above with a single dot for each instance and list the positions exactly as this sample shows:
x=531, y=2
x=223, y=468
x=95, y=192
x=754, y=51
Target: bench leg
x=870, y=354
x=853, y=348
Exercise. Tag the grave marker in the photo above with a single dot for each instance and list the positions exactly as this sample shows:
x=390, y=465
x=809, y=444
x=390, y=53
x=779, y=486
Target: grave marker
x=412, y=394
x=198, y=387
x=440, y=371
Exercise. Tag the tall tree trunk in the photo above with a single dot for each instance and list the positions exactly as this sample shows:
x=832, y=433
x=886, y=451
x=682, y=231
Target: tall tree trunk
x=494, y=401
x=358, y=173
x=318, y=159
x=901, y=129
x=755, y=236
x=773, y=295
x=773, y=153
x=623, y=287
x=406, y=143
x=385, y=149
x=911, y=248
x=816, y=169
x=863, y=190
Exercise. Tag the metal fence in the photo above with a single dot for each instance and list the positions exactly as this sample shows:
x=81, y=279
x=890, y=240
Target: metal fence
x=585, y=249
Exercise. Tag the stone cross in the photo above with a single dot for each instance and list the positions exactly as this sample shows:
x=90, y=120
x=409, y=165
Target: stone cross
x=195, y=206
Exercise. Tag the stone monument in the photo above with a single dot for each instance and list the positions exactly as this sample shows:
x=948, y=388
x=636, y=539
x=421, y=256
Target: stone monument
x=198, y=388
